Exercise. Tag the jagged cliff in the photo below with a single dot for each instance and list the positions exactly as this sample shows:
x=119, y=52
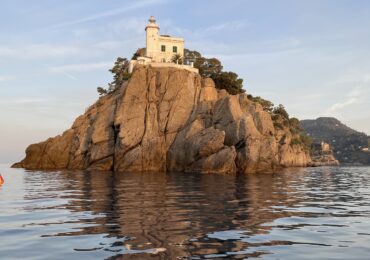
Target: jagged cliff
x=167, y=119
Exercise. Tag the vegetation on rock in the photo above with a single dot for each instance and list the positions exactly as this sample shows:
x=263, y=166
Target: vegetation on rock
x=267, y=105
x=139, y=52
x=212, y=68
x=120, y=75
x=102, y=91
x=282, y=120
x=177, y=59
x=229, y=81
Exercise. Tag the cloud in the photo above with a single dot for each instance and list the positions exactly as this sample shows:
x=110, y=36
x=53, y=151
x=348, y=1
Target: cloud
x=68, y=69
x=340, y=105
x=68, y=75
x=115, y=32
x=131, y=25
x=358, y=78
x=226, y=26
x=22, y=100
x=355, y=96
x=81, y=67
x=6, y=78
x=134, y=6
x=229, y=26
x=39, y=51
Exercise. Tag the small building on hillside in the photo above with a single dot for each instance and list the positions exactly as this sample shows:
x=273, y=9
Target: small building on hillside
x=322, y=154
x=321, y=148
x=325, y=147
x=161, y=50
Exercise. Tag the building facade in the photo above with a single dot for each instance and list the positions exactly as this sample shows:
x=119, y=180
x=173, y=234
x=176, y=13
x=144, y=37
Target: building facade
x=161, y=48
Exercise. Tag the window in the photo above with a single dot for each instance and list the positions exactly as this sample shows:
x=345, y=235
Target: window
x=174, y=49
x=163, y=48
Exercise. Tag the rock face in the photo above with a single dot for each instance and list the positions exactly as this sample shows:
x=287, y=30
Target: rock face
x=167, y=119
x=325, y=160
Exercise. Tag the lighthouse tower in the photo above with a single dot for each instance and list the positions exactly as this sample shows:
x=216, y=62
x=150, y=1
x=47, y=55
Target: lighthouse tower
x=152, y=38
x=161, y=50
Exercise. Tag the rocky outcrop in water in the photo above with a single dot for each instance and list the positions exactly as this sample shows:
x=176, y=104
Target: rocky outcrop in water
x=167, y=119
x=322, y=155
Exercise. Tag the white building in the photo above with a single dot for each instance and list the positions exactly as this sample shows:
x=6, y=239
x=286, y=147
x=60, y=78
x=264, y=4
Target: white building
x=160, y=50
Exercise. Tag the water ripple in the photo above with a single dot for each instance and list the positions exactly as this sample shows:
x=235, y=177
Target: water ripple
x=321, y=213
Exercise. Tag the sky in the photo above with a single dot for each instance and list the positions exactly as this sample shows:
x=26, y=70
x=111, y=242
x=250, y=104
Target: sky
x=311, y=56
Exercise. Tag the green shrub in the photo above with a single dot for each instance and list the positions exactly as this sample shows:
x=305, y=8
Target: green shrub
x=212, y=68
x=303, y=140
x=306, y=140
x=229, y=81
x=126, y=75
x=281, y=120
x=296, y=141
x=280, y=110
x=206, y=66
x=102, y=91
x=120, y=75
x=119, y=70
x=139, y=52
x=267, y=105
x=177, y=59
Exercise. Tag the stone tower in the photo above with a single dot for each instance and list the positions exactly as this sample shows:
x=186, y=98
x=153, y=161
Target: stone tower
x=152, y=38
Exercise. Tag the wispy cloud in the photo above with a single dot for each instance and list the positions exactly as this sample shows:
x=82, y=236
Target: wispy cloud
x=342, y=104
x=134, y=6
x=6, y=78
x=22, y=100
x=68, y=70
x=40, y=51
x=355, y=96
x=228, y=26
x=81, y=67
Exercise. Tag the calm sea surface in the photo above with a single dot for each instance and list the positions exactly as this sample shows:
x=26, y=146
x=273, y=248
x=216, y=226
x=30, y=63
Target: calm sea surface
x=314, y=213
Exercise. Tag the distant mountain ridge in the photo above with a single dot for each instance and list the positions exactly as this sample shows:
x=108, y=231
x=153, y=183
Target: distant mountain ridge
x=349, y=145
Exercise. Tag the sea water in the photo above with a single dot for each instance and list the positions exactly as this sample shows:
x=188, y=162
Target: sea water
x=304, y=213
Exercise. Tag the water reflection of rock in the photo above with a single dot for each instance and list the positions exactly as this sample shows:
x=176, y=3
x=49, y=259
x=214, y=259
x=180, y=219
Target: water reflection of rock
x=176, y=211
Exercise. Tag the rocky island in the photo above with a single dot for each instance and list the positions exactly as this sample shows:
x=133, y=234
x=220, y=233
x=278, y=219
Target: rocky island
x=170, y=119
x=163, y=115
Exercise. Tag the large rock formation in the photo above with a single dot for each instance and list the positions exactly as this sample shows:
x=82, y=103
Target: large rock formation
x=167, y=119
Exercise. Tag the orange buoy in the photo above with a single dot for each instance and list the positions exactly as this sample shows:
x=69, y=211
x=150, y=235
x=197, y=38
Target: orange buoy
x=1, y=179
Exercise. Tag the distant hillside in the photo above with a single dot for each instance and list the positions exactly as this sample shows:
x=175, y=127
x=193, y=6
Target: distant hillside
x=348, y=144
